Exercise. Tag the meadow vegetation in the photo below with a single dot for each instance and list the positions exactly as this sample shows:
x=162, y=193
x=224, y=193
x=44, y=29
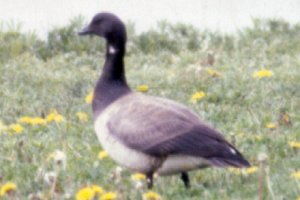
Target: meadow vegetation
x=246, y=84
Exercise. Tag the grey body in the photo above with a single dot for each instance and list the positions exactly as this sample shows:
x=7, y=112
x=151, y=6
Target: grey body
x=149, y=134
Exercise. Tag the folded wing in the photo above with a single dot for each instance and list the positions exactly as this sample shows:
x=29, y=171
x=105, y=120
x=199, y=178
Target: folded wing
x=160, y=127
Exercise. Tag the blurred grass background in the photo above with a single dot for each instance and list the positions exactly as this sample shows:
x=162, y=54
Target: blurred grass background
x=38, y=76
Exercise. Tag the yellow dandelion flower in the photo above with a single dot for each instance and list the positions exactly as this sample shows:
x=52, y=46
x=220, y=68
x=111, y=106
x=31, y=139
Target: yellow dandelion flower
x=296, y=175
x=86, y=193
x=213, y=72
x=82, y=116
x=294, y=144
x=262, y=73
x=246, y=171
x=97, y=189
x=25, y=120
x=234, y=170
x=150, y=195
x=7, y=188
x=197, y=96
x=258, y=137
x=271, y=125
x=54, y=116
x=108, y=196
x=50, y=117
x=102, y=154
x=89, y=97
x=16, y=128
x=138, y=177
x=251, y=170
x=38, y=121
x=142, y=88
x=32, y=120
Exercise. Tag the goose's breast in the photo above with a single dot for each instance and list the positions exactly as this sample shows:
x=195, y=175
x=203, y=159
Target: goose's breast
x=123, y=155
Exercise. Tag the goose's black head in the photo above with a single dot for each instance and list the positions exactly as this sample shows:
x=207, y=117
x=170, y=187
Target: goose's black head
x=108, y=26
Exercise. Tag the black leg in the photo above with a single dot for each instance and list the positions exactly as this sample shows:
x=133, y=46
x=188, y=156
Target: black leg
x=186, y=180
x=150, y=180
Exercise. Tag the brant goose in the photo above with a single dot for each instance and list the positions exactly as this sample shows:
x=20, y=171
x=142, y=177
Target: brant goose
x=149, y=134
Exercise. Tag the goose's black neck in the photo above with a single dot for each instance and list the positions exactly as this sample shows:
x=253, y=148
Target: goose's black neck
x=112, y=82
x=113, y=69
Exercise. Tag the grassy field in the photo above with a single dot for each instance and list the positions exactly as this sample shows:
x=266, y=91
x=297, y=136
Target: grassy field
x=56, y=154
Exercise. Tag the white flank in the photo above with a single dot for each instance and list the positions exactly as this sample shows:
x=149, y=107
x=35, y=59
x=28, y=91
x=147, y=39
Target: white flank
x=180, y=163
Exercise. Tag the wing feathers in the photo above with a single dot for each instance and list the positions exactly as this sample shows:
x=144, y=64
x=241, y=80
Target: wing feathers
x=161, y=127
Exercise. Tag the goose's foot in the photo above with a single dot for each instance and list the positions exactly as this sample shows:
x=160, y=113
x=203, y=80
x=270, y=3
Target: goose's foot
x=150, y=180
x=186, y=180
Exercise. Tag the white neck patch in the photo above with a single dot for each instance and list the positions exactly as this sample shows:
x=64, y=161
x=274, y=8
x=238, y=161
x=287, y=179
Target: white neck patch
x=112, y=49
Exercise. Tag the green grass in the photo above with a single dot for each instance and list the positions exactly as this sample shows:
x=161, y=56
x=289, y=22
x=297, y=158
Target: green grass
x=36, y=78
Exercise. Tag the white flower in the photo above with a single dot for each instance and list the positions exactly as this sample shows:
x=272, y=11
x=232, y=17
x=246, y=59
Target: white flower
x=116, y=174
x=60, y=158
x=50, y=177
x=67, y=195
x=262, y=157
x=138, y=185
